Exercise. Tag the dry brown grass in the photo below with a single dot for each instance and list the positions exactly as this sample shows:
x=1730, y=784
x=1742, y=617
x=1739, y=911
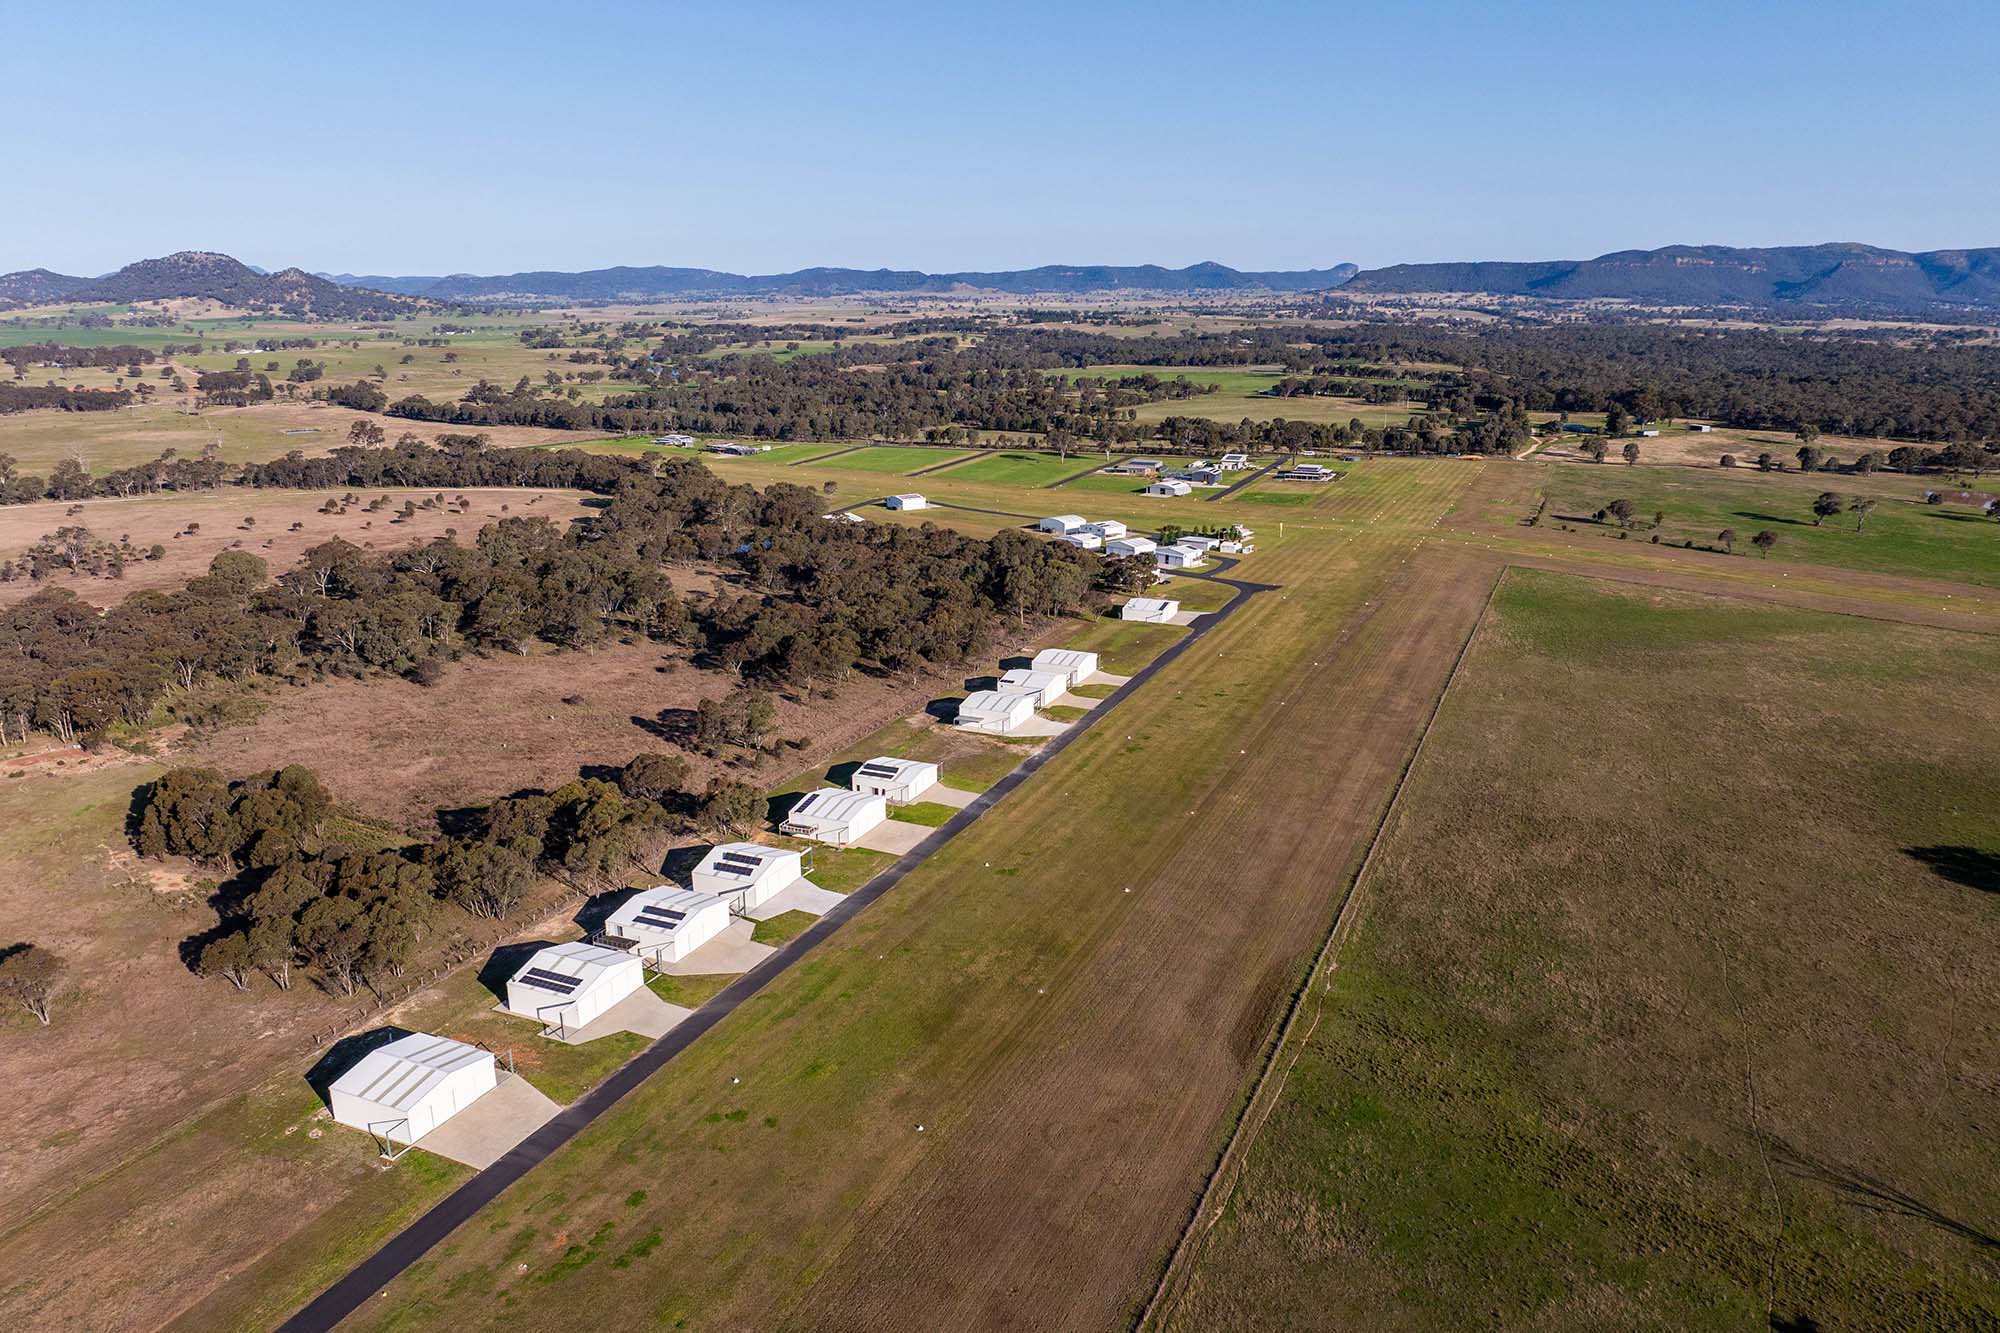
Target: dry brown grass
x=221, y=518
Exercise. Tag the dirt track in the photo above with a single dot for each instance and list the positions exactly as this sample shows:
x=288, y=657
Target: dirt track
x=1091, y=1137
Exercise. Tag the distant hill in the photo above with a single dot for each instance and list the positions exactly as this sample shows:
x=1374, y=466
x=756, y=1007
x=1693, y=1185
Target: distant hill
x=215, y=277
x=37, y=286
x=640, y=284
x=410, y=286
x=1842, y=275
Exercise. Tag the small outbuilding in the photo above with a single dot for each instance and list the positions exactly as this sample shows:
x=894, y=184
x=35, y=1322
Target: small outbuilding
x=1045, y=686
x=666, y=923
x=999, y=711
x=1179, y=557
x=1150, y=610
x=568, y=985
x=1172, y=486
x=747, y=874
x=1130, y=546
x=835, y=815
x=1073, y=665
x=1235, y=463
x=911, y=500
x=404, y=1090
x=1700, y=427
x=1061, y=523
x=1089, y=541
x=1107, y=528
x=897, y=781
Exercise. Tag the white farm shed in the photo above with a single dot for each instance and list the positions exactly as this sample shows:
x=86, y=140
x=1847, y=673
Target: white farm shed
x=1171, y=486
x=1061, y=523
x=995, y=710
x=1071, y=664
x=747, y=874
x=1179, y=557
x=666, y=923
x=571, y=984
x=897, y=781
x=1130, y=546
x=406, y=1089
x=1151, y=610
x=1196, y=542
x=910, y=501
x=1045, y=687
x=1089, y=541
x=1108, y=528
x=835, y=815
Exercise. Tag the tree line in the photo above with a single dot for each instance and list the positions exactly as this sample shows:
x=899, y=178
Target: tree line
x=816, y=599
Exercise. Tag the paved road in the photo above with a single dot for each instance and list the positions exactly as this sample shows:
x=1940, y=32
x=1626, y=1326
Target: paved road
x=416, y=1240
x=1227, y=491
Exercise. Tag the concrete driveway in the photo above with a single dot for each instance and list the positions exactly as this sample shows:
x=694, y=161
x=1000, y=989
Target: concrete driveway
x=893, y=835
x=939, y=794
x=798, y=896
x=483, y=1132
x=731, y=951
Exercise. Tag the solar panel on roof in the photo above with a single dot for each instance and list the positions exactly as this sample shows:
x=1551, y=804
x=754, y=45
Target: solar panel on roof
x=879, y=771
x=664, y=918
x=549, y=981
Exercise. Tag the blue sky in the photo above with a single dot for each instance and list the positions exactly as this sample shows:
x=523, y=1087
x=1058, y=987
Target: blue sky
x=435, y=138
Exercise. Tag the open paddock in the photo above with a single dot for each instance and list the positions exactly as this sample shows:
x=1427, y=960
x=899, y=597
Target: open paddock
x=891, y=460
x=257, y=522
x=1581, y=1063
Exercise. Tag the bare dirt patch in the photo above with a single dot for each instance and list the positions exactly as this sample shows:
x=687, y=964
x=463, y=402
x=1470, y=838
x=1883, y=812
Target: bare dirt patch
x=223, y=520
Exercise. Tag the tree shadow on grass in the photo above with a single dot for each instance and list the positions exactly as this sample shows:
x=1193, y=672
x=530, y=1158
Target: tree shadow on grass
x=1969, y=866
x=1865, y=1192
x=1750, y=517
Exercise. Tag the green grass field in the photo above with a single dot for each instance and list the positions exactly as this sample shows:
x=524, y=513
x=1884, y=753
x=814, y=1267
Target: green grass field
x=1903, y=535
x=892, y=459
x=1679, y=1022
x=1021, y=469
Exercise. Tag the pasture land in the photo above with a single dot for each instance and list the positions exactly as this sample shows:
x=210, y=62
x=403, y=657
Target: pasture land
x=107, y=441
x=1671, y=1000
x=257, y=522
x=1902, y=535
x=1021, y=469
x=894, y=460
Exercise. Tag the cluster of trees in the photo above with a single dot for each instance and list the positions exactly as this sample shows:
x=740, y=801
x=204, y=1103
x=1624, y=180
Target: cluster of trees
x=28, y=397
x=64, y=357
x=71, y=480
x=233, y=388
x=817, y=599
x=75, y=549
x=294, y=899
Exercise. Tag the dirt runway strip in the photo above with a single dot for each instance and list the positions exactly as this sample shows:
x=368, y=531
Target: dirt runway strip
x=1053, y=1204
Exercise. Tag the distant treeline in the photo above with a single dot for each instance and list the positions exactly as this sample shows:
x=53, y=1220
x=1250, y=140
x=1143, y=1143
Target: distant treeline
x=820, y=598
x=64, y=356
x=27, y=397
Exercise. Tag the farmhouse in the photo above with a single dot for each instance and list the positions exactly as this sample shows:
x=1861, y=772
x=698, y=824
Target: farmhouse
x=569, y=985
x=1134, y=467
x=1089, y=541
x=1179, y=557
x=1107, y=528
x=897, y=781
x=1150, y=610
x=1204, y=475
x=1073, y=665
x=674, y=441
x=834, y=815
x=747, y=874
x=735, y=450
x=406, y=1089
x=1129, y=546
x=1044, y=687
x=1235, y=463
x=998, y=711
x=1061, y=523
x=1172, y=486
x=666, y=923
x=1306, y=472
x=911, y=500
